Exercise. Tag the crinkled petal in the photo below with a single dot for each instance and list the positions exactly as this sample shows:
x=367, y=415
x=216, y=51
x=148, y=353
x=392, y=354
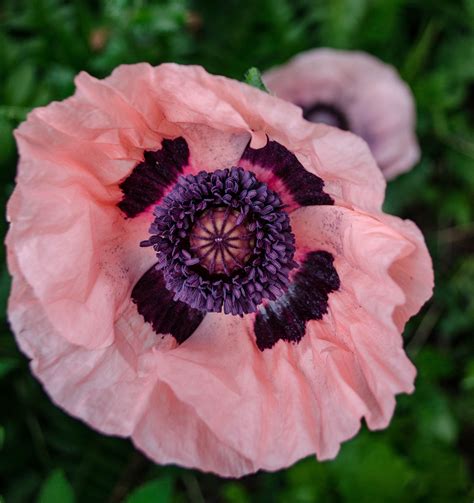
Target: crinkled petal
x=104, y=387
x=375, y=300
x=348, y=169
x=261, y=418
x=414, y=272
x=80, y=256
x=378, y=244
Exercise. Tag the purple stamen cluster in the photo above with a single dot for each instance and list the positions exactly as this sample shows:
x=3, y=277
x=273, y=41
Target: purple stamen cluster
x=250, y=218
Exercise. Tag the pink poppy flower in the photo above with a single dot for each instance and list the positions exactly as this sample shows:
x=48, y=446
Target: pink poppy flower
x=197, y=267
x=357, y=92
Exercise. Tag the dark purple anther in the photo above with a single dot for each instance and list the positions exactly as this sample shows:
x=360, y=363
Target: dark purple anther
x=220, y=239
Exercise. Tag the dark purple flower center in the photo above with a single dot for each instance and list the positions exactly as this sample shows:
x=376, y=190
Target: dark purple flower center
x=223, y=240
x=326, y=113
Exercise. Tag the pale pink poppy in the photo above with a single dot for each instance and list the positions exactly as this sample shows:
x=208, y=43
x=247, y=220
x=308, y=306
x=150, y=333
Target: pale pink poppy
x=353, y=91
x=197, y=267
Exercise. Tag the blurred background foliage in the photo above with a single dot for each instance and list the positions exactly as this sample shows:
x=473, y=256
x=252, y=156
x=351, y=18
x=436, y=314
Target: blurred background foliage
x=427, y=453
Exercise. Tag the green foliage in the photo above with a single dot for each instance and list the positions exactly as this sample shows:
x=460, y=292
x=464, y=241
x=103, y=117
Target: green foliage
x=427, y=452
x=360, y=477
x=234, y=492
x=253, y=77
x=156, y=491
x=56, y=489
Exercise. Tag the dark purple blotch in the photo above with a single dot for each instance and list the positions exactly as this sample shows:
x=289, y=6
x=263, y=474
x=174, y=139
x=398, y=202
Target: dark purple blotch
x=306, y=188
x=306, y=299
x=149, y=179
x=167, y=316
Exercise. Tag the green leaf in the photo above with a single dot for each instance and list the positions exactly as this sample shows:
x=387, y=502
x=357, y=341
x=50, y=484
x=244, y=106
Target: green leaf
x=435, y=417
x=13, y=113
x=20, y=84
x=7, y=144
x=56, y=489
x=307, y=481
x=155, y=491
x=443, y=475
x=253, y=78
x=468, y=381
x=6, y=365
x=419, y=53
x=234, y=492
x=369, y=470
x=342, y=20
x=433, y=365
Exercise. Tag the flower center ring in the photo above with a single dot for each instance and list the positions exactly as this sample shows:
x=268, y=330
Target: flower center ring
x=222, y=241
